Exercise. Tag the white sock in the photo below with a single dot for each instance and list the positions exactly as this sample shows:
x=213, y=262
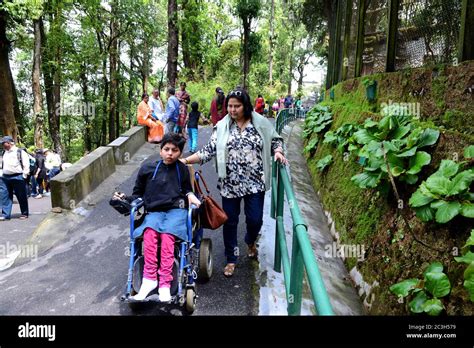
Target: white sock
x=147, y=286
x=164, y=294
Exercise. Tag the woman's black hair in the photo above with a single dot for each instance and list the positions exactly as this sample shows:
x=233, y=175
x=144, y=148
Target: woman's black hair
x=194, y=106
x=175, y=139
x=144, y=95
x=241, y=95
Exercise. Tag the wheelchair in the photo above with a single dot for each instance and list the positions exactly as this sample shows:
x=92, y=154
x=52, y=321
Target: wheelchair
x=192, y=258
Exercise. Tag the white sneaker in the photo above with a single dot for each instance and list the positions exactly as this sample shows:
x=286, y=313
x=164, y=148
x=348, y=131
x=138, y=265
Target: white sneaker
x=164, y=294
x=147, y=286
x=38, y=196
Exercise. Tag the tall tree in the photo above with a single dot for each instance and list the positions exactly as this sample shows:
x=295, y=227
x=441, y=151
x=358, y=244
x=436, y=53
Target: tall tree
x=113, y=57
x=270, y=42
x=172, y=61
x=7, y=95
x=36, y=83
x=247, y=10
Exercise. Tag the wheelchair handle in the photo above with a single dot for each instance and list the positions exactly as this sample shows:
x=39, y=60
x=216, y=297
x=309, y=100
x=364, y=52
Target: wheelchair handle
x=137, y=203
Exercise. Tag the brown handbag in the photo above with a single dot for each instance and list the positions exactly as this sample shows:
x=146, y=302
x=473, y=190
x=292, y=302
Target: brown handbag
x=211, y=214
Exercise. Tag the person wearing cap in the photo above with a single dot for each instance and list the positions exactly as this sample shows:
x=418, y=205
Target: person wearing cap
x=218, y=109
x=16, y=167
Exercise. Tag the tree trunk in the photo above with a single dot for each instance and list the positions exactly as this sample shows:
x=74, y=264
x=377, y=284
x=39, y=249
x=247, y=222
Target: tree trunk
x=47, y=69
x=7, y=95
x=52, y=78
x=246, y=51
x=36, y=82
x=113, y=52
x=105, y=82
x=290, y=72
x=85, y=99
x=172, y=73
x=145, y=67
x=270, y=60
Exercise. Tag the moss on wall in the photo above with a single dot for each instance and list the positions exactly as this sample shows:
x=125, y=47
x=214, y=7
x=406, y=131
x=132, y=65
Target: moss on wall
x=366, y=217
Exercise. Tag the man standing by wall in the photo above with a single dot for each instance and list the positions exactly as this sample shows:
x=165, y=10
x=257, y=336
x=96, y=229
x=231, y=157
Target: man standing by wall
x=16, y=167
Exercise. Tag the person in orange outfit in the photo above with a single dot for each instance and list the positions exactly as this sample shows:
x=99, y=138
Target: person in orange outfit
x=145, y=118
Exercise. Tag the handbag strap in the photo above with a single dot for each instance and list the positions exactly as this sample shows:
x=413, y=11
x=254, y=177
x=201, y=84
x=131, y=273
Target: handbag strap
x=203, y=182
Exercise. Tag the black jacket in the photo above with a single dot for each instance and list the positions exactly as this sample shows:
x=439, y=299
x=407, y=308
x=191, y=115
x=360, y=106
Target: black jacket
x=164, y=192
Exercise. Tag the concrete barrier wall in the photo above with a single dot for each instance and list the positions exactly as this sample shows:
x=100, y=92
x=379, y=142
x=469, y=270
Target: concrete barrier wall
x=70, y=186
x=125, y=146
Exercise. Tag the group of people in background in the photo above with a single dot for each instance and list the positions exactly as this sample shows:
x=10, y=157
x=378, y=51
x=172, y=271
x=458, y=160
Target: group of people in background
x=25, y=175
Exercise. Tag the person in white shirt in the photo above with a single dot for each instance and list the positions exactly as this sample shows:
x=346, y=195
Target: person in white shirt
x=53, y=167
x=15, y=167
x=156, y=105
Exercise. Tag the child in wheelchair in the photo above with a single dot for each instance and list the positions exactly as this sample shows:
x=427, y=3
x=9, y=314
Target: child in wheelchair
x=165, y=187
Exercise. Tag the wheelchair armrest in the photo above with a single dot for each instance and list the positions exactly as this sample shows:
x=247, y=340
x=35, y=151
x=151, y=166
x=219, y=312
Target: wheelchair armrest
x=137, y=203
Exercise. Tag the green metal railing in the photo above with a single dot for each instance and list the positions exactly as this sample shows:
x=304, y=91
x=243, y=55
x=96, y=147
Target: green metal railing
x=302, y=257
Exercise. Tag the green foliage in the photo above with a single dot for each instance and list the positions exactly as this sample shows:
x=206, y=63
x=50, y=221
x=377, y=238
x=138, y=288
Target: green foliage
x=324, y=162
x=396, y=140
x=468, y=258
x=342, y=138
x=368, y=82
x=445, y=194
x=317, y=120
x=425, y=293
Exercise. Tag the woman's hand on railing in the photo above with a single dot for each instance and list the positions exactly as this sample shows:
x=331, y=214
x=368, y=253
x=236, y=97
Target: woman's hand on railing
x=279, y=157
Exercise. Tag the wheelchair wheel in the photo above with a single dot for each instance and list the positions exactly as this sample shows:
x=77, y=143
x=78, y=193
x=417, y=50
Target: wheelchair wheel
x=205, y=260
x=190, y=301
x=137, y=274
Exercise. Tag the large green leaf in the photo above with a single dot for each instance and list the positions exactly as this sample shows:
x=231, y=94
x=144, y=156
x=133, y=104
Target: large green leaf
x=447, y=169
x=366, y=179
x=467, y=210
x=433, y=307
x=408, y=153
x=469, y=152
x=362, y=136
x=437, y=283
x=470, y=240
x=311, y=145
x=466, y=258
x=414, y=137
x=461, y=182
x=417, y=304
x=434, y=267
x=469, y=281
x=418, y=199
x=438, y=184
x=410, y=179
x=416, y=162
x=425, y=213
x=446, y=211
x=400, y=132
x=329, y=137
x=403, y=288
x=428, y=137
x=323, y=162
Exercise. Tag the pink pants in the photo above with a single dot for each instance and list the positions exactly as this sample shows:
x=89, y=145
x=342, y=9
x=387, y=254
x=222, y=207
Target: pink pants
x=150, y=245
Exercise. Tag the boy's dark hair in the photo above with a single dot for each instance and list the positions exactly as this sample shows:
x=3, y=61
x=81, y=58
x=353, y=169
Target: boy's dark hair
x=194, y=106
x=171, y=90
x=175, y=139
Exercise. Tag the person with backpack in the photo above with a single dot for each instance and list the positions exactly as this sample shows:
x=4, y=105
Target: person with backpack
x=193, y=122
x=16, y=167
x=39, y=173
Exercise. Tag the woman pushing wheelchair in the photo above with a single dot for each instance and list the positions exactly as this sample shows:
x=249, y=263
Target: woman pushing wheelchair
x=166, y=189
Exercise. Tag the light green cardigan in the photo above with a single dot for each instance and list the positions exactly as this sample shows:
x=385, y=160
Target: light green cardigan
x=266, y=131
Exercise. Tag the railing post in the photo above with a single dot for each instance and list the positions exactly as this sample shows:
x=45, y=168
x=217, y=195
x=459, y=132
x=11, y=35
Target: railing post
x=279, y=213
x=360, y=38
x=392, y=31
x=296, y=278
x=466, y=33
